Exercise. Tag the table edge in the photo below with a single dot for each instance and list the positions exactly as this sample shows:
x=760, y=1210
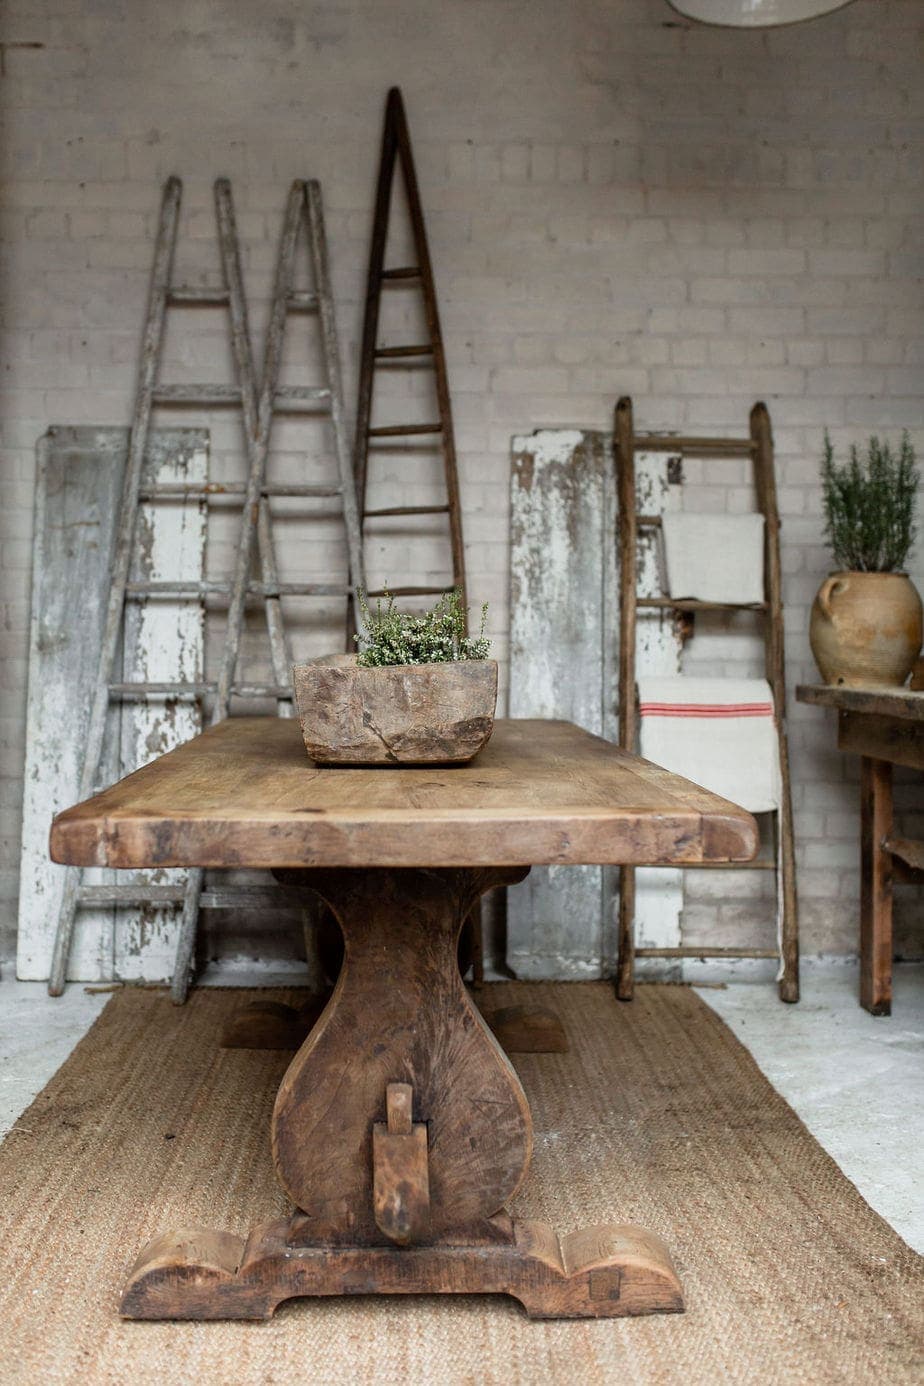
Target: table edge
x=905, y=703
x=477, y=838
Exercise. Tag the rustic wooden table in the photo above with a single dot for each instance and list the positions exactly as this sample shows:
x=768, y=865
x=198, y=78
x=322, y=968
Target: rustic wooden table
x=400, y=1129
x=885, y=727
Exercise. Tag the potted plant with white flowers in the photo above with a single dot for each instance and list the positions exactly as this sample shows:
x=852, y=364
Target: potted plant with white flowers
x=866, y=623
x=419, y=691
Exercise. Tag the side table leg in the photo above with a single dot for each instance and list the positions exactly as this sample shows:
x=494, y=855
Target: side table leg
x=875, y=886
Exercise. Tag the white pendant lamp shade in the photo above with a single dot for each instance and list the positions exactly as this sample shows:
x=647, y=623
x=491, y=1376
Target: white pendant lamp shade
x=755, y=14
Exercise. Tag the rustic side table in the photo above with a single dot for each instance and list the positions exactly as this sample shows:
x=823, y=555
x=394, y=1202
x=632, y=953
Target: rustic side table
x=401, y=1130
x=885, y=727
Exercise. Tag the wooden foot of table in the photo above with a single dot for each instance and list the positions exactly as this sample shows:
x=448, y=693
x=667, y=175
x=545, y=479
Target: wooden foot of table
x=597, y=1273
x=527, y=1030
x=273, y=1025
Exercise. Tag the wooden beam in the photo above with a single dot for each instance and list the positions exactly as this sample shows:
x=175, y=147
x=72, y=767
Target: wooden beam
x=882, y=737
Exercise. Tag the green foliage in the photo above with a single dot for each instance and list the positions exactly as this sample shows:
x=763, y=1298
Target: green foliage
x=435, y=637
x=870, y=506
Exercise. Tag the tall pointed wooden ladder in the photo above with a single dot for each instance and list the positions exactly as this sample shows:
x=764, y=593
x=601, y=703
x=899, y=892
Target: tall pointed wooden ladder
x=758, y=449
x=396, y=147
x=428, y=355
x=258, y=403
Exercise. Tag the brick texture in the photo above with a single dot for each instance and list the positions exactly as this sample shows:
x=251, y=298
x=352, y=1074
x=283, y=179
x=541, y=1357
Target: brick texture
x=618, y=202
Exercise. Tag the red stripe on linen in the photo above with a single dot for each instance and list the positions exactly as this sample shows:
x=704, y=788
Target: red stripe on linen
x=706, y=709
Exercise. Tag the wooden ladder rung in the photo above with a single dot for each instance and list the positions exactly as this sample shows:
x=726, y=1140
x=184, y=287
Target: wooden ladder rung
x=139, y=894
x=164, y=490
x=185, y=294
x=302, y=300
x=197, y=394
x=695, y=447
x=408, y=510
x=693, y=604
x=691, y=951
x=262, y=690
x=760, y=864
x=129, y=691
x=404, y=430
x=229, y=898
x=319, y=492
x=398, y=352
x=302, y=392
x=403, y=272
x=409, y=591
x=231, y=394
x=907, y=849
x=180, y=590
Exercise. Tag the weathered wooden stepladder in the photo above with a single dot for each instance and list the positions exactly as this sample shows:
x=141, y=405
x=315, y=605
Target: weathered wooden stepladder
x=758, y=449
x=258, y=403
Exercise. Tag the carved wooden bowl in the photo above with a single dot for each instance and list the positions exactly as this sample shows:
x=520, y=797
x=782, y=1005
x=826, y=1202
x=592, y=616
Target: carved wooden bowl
x=403, y=714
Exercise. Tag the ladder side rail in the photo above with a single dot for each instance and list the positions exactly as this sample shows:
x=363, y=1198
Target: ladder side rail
x=121, y=560
x=240, y=340
x=789, y=982
x=765, y=478
x=396, y=113
x=624, y=458
x=280, y=654
x=328, y=320
x=765, y=486
x=371, y=309
x=272, y=359
x=370, y=338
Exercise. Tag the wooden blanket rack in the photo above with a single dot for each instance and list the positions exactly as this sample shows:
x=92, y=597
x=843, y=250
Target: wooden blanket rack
x=758, y=449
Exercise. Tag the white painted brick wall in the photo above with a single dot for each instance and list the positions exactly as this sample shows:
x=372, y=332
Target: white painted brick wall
x=618, y=202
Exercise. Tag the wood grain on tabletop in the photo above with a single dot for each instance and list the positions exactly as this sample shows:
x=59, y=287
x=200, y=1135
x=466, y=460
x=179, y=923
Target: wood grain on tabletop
x=245, y=794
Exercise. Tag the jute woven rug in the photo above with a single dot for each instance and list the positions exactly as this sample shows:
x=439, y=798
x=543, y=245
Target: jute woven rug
x=657, y=1115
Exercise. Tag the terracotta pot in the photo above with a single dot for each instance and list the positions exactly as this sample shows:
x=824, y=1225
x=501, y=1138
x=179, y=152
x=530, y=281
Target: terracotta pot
x=866, y=628
x=401, y=714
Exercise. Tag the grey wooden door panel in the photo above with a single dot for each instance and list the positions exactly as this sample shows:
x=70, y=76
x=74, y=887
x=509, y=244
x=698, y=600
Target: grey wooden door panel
x=564, y=652
x=78, y=484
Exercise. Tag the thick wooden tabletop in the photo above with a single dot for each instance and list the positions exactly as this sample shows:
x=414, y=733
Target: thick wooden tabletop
x=244, y=793
x=907, y=703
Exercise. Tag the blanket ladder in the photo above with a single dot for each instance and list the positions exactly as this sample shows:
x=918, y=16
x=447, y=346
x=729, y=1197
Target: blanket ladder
x=758, y=449
x=258, y=403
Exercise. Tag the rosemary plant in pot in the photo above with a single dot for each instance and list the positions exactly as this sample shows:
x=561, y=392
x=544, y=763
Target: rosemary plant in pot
x=866, y=623
x=419, y=691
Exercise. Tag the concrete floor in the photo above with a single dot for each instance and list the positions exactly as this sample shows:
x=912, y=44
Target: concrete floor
x=856, y=1081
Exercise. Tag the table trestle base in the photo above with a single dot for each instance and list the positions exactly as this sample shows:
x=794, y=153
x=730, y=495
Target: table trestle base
x=599, y=1272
